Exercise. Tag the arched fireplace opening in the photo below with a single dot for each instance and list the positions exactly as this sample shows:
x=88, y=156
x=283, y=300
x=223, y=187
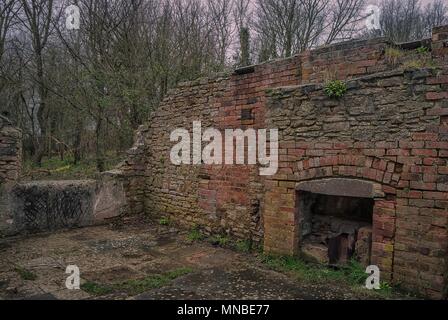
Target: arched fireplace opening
x=335, y=220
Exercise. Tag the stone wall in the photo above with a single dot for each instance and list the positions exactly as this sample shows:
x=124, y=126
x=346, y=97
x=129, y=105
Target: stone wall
x=440, y=42
x=344, y=61
x=50, y=205
x=42, y=206
x=390, y=128
x=10, y=152
x=10, y=166
x=226, y=199
x=391, y=132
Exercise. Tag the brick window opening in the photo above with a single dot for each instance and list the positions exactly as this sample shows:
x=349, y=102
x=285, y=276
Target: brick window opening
x=247, y=115
x=335, y=229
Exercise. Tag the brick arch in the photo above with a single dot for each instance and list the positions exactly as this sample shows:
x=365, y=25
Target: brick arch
x=383, y=171
x=281, y=216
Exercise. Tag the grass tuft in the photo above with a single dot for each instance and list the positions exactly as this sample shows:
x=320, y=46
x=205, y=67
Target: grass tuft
x=164, y=221
x=96, y=289
x=352, y=275
x=56, y=169
x=220, y=240
x=25, y=274
x=393, y=55
x=195, y=235
x=134, y=287
x=244, y=246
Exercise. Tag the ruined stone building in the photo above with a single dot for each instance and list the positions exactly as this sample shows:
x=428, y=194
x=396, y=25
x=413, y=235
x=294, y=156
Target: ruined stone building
x=364, y=175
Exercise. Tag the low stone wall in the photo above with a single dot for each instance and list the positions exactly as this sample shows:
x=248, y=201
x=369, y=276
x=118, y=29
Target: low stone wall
x=50, y=205
x=42, y=206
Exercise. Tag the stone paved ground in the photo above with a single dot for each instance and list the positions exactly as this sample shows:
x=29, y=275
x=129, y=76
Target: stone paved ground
x=107, y=255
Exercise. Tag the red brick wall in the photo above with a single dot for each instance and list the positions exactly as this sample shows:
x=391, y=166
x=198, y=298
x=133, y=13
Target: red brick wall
x=344, y=61
x=234, y=193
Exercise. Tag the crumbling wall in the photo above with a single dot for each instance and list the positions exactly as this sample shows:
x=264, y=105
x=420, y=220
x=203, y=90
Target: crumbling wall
x=440, y=42
x=10, y=166
x=50, y=205
x=10, y=152
x=345, y=60
x=389, y=128
x=394, y=123
x=225, y=199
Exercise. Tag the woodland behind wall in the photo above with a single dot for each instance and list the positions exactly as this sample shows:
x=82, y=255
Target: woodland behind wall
x=119, y=65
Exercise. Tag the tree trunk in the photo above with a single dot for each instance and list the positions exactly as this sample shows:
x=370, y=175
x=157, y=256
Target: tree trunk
x=42, y=114
x=99, y=150
x=77, y=143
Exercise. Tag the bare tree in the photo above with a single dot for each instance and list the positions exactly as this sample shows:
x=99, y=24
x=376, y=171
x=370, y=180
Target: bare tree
x=36, y=17
x=277, y=22
x=435, y=14
x=221, y=20
x=285, y=27
x=344, y=18
x=409, y=20
x=401, y=20
x=8, y=9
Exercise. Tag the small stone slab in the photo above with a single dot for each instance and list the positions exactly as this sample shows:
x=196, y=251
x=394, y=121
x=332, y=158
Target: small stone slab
x=339, y=187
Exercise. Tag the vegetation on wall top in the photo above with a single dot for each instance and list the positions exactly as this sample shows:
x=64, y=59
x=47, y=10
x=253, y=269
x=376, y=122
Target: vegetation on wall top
x=335, y=89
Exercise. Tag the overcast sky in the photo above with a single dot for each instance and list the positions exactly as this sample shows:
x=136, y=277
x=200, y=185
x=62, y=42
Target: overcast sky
x=423, y=1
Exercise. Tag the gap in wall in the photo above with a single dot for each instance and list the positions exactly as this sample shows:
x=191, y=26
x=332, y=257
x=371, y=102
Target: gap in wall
x=335, y=229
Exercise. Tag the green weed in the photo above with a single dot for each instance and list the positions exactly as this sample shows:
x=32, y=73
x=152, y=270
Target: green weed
x=164, y=221
x=335, y=89
x=136, y=286
x=195, y=235
x=25, y=274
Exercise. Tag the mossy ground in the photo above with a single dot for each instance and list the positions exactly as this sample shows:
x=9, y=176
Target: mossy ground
x=134, y=287
x=55, y=168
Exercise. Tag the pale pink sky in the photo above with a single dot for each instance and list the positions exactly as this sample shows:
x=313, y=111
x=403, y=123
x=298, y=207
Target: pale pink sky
x=423, y=1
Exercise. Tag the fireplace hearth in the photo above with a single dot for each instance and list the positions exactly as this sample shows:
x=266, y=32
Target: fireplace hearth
x=335, y=228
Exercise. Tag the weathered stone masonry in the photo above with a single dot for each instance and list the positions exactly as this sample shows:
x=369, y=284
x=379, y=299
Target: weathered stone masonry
x=389, y=129
x=388, y=134
x=29, y=207
x=10, y=152
x=10, y=165
x=233, y=194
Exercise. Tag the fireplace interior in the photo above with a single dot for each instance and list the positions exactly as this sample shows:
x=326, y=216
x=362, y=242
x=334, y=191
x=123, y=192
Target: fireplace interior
x=335, y=229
